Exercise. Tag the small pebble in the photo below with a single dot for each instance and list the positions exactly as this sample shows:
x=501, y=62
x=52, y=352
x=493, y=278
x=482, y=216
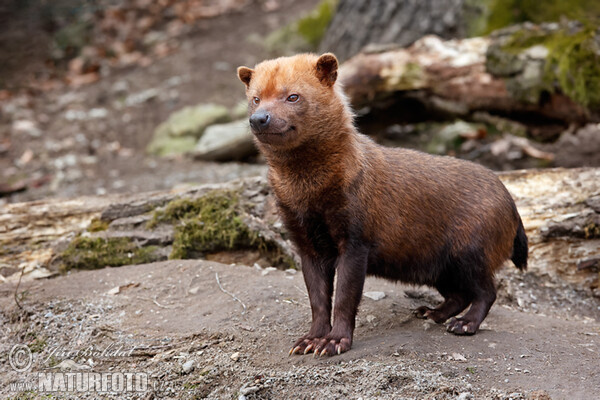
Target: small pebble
x=374, y=295
x=188, y=366
x=248, y=390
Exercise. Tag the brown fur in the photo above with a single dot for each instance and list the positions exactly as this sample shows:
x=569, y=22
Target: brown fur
x=358, y=208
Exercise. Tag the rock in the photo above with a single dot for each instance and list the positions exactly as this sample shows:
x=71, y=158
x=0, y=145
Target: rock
x=70, y=365
x=141, y=97
x=240, y=110
x=225, y=142
x=374, y=295
x=179, y=133
x=450, y=135
x=81, y=115
x=539, y=61
x=187, y=367
x=581, y=146
x=235, y=356
x=539, y=395
x=27, y=126
x=248, y=390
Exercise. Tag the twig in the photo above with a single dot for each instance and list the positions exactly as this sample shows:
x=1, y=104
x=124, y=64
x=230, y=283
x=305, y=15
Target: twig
x=154, y=301
x=17, y=289
x=158, y=304
x=229, y=293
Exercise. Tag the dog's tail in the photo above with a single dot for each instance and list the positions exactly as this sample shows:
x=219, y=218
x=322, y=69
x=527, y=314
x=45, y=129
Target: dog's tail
x=520, y=248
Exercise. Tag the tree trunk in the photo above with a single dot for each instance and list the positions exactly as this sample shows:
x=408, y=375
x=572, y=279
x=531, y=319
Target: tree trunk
x=359, y=23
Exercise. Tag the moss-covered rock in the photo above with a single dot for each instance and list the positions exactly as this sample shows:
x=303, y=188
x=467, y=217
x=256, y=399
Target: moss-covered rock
x=449, y=137
x=94, y=253
x=226, y=142
x=485, y=16
x=548, y=58
x=211, y=223
x=180, y=132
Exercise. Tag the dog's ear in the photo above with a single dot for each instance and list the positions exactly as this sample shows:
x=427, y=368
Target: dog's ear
x=326, y=68
x=245, y=75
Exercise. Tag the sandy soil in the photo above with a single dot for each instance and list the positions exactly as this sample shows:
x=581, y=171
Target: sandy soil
x=176, y=313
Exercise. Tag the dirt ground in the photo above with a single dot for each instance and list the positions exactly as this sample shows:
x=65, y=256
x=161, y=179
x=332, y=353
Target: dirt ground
x=175, y=313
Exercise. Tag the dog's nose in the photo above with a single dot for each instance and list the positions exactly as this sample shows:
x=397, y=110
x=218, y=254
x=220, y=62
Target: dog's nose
x=260, y=120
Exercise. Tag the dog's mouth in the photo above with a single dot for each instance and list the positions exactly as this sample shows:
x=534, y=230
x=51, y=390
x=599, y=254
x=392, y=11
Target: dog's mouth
x=274, y=137
x=268, y=133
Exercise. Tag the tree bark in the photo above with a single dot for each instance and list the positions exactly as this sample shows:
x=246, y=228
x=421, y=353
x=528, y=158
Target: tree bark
x=359, y=23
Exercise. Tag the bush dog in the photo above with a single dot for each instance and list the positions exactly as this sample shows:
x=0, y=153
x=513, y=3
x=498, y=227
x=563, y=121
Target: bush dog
x=358, y=208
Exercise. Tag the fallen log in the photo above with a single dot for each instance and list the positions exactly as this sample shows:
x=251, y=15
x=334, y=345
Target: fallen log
x=518, y=72
x=560, y=210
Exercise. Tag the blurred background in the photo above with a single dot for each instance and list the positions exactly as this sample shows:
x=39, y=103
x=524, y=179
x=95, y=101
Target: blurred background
x=103, y=96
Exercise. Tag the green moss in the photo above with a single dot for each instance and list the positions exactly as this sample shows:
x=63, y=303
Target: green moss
x=476, y=15
x=94, y=253
x=410, y=76
x=313, y=26
x=97, y=225
x=572, y=65
x=503, y=13
x=208, y=224
x=213, y=223
x=304, y=34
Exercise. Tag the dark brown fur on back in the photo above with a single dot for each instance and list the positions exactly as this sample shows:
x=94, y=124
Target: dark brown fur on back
x=358, y=208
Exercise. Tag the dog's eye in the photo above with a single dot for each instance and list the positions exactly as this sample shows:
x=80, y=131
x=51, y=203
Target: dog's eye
x=292, y=98
x=256, y=100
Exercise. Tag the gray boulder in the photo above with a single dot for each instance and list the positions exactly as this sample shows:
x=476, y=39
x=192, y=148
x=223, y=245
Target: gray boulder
x=225, y=142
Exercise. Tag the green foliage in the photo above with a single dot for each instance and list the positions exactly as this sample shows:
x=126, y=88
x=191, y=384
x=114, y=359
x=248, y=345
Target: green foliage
x=94, y=253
